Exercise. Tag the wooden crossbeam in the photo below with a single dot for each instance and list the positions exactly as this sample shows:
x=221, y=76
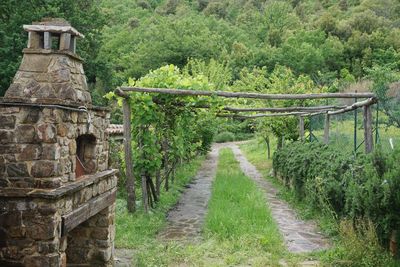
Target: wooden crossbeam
x=183, y=92
x=261, y=115
x=283, y=109
x=354, y=106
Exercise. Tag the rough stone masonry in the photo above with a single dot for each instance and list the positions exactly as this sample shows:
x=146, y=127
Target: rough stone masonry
x=57, y=195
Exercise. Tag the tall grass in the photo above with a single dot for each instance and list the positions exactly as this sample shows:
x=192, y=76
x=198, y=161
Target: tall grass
x=237, y=208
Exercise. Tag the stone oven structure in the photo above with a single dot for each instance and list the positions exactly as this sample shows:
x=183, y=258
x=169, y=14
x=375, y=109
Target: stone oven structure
x=57, y=195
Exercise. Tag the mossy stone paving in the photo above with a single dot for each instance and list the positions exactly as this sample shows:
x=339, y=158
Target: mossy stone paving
x=185, y=220
x=300, y=236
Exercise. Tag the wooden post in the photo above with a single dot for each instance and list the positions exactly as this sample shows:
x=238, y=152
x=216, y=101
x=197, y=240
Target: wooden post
x=145, y=199
x=368, y=135
x=326, y=129
x=301, y=128
x=130, y=179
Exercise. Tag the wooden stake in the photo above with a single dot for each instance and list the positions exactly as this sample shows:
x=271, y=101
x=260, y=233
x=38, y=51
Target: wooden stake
x=368, y=135
x=130, y=179
x=145, y=199
x=326, y=129
x=301, y=128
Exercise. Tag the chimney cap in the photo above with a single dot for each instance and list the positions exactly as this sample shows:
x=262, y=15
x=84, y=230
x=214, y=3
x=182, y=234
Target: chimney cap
x=53, y=25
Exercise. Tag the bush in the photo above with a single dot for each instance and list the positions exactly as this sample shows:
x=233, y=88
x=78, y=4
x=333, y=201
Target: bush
x=224, y=137
x=359, y=246
x=326, y=178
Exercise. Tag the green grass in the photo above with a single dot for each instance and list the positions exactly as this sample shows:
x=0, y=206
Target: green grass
x=238, y=229
x=237, y=211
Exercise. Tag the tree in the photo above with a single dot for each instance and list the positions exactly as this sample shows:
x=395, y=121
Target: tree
x=389, y=100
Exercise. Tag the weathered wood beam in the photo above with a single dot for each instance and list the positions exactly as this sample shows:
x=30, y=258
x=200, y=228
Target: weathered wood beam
x=354, y=106
x=260, y=115
x=183, y=92
x=368, y=133
x=301, y=128
x=283, y=109
x=326, y=129
x=263, y=109
x=130, y=179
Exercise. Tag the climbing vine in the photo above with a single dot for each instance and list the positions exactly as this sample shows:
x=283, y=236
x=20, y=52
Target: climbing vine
x=167, y=130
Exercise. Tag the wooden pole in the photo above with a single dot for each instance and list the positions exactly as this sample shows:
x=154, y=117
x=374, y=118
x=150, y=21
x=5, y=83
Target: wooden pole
x=368, y=135
x=354, y=106
x=145, y=199
x=283, y=109
x=260, y=115
x=130, y=179
x=183, y=92
x=326, y=129
x=301, y=128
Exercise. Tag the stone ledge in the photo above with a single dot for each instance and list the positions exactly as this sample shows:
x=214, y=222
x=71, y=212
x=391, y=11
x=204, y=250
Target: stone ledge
x=57, y=193
x=18, y=102
x=48, y=51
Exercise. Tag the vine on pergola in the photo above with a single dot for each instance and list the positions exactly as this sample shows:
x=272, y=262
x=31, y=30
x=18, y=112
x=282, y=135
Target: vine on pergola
x=169, y=126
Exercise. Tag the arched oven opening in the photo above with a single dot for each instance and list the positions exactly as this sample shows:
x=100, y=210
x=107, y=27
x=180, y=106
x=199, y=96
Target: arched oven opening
x=85, y=155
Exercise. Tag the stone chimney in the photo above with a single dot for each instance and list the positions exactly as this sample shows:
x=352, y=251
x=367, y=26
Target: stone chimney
x=50, y=71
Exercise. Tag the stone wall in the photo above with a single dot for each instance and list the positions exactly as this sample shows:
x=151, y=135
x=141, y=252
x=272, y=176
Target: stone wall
x=38, y=144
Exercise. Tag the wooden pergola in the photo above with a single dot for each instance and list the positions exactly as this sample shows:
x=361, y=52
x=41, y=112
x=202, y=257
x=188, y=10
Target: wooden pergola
x=368, y=99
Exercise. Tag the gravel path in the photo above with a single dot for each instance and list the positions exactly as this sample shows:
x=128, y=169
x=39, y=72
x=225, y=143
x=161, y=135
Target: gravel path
x=300, y=236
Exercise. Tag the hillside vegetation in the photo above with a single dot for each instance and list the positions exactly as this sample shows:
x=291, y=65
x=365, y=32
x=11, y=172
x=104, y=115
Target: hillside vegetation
x=335, y=42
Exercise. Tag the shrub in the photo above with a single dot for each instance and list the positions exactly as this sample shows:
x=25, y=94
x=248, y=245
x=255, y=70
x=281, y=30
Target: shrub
x=359, y=246
x=365, y=186
x=224, y=137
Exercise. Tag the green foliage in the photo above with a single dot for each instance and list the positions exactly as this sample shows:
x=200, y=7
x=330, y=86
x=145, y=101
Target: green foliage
x=224, y=137
x=383, y=77
x=356, y=242
x=344, y=186
x=359, y=246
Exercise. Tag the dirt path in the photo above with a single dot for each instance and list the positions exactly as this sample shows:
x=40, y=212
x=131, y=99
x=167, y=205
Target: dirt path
x=300, y=236
x=186, y=219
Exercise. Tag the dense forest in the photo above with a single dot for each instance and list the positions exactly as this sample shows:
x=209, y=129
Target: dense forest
x=334, y=42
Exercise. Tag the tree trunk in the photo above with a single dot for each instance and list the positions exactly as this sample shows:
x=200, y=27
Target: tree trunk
x=280, y=143
x=165, y=162
x=267, y=141
x=152, y=188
